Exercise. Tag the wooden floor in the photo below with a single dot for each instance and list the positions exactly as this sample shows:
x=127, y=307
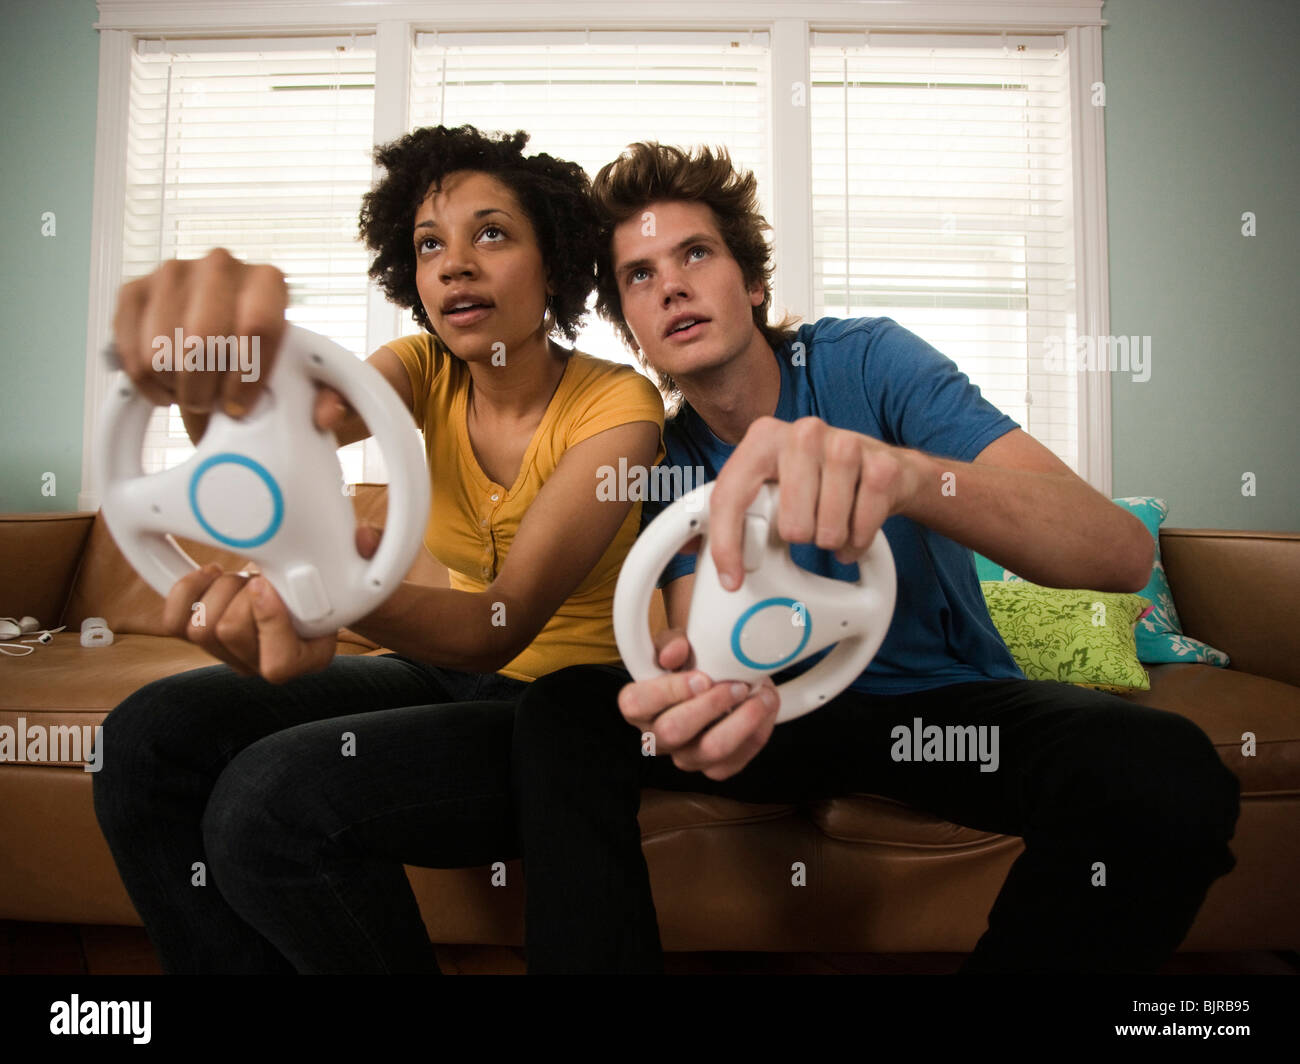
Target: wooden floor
x=71, y=949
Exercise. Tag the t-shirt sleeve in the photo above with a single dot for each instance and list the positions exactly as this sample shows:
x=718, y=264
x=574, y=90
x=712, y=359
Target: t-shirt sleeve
x=923, y=401
x=424, y=357
x=620, y=397
x=675, y=454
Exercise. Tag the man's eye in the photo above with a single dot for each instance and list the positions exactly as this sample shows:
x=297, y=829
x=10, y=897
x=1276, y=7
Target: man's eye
x=634, y=276
x=700, y=248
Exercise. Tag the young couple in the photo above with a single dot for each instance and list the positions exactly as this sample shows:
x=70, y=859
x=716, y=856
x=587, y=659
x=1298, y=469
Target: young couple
x=477, y=743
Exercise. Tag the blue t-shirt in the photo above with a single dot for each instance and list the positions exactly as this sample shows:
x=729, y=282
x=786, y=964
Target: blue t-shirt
x=871, y=375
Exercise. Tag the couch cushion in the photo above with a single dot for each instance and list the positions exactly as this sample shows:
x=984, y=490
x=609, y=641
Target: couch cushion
x=1225, y=703
x=665, y=811
x=107, y=586
x=41, y=553
x=67, y=678
x=873, y=818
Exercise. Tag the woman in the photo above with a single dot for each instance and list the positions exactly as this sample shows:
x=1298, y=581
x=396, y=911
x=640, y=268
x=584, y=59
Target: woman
x=262, y=826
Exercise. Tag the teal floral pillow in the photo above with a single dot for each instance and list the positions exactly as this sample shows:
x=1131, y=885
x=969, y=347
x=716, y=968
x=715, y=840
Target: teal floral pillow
x=1160, y=633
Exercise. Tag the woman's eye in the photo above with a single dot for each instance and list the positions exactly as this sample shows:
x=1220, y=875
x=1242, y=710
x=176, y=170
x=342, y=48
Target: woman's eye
x=494, y=229
x=423, y=245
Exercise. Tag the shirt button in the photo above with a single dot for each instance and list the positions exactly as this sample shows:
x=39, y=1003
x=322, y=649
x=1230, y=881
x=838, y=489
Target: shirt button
x=487, y=571
x=483, y=522
x=495, y=497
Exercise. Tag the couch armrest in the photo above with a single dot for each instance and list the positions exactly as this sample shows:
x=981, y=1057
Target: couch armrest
x=1238, y=591
x=39, y=556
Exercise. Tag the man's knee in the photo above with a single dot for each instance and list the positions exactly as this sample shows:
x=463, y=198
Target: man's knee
x=1161, y=776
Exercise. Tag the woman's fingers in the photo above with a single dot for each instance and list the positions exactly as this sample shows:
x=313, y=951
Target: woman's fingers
x=367, y=540
x=210, y=291
x=203, y=332
x=259, y=315
x=330, y=410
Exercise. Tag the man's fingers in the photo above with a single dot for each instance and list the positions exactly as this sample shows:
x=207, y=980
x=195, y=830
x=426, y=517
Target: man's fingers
x=754, y=461
x=840, y=488
x=672, y=649
x=641, y=702
x=729, y=745
x=682, y=724
x=799, y=482
x=870, y=510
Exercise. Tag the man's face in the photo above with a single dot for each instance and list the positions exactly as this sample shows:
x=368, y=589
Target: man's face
x=673, y=267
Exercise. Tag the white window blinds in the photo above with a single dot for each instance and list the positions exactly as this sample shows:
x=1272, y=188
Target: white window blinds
x=586, y=96
x=942, y=198
x=263, y=148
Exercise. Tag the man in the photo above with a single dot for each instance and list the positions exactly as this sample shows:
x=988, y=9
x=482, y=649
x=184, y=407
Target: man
x=861, y=424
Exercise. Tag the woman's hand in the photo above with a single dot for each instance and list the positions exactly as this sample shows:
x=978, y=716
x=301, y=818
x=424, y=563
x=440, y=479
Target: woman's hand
x=240, y=620
x=217, y=297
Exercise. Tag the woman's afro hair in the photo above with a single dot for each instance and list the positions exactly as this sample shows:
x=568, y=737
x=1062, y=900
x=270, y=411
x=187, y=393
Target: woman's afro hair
x=554, y=194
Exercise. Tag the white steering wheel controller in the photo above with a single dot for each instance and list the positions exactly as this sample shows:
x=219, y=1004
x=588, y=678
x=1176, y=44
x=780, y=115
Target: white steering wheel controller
x=269, y=486
x=780, y=615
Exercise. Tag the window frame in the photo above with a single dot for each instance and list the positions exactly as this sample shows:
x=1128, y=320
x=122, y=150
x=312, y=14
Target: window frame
x=790, y=25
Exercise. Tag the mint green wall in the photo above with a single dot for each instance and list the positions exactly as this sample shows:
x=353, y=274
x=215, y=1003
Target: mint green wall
x=48, y=83
x=1202, y=124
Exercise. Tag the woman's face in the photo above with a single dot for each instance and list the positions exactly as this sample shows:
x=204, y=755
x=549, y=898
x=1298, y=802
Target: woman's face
x=479, y=270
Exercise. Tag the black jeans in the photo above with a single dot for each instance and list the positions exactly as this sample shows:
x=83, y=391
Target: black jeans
x=262, y=827
x=1084, y=777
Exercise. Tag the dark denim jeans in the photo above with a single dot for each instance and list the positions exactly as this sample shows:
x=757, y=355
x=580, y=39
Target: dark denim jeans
x=262, y=827
x=1085, y=778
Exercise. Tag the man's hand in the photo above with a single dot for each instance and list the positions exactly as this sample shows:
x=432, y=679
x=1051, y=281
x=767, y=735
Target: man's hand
x=712, y=728
x=246, y=624
x=836, y=489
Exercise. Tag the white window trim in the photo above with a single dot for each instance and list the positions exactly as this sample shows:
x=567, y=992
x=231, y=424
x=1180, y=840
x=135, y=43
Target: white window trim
x=789, y=23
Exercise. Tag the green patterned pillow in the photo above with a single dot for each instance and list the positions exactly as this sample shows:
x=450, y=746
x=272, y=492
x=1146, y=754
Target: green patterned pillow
x=1069, y=635
x=1160, y=633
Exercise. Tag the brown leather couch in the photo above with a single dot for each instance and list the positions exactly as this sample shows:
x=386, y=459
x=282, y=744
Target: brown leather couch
x=881, y=877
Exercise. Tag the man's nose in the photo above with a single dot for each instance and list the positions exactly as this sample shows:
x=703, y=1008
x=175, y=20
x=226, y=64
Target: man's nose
x=672, y=285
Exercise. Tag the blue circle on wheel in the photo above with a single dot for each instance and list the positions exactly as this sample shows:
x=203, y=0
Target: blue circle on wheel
x=277, y=500
x=749, y=662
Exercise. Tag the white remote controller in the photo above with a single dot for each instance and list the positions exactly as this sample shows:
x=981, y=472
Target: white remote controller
x=779, y=616
x=269, y=486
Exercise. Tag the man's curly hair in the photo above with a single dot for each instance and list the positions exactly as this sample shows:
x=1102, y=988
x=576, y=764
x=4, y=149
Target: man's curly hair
x=553, y=193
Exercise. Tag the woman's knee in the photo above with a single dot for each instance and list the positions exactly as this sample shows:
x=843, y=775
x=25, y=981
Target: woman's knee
x=569, y=709
x=259, y=809
x=165, y=723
